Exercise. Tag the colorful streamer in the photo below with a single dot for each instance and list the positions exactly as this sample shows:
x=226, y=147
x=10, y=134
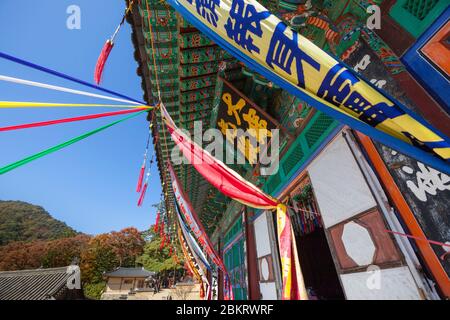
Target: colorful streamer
x=192, y=220
x=60, y=146
x=192, y=266
x=163, y=242
x=267, y=45
x=29, y=104
x=61, y=89
x=67, y=77
x=73, y=119
x=197, y=256
x=191, y=241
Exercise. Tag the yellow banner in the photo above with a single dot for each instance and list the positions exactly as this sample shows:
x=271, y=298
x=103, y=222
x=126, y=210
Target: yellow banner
x=257, y=37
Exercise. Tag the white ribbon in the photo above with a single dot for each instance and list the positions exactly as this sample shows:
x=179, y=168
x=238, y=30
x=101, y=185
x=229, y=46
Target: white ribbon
x=63, y=89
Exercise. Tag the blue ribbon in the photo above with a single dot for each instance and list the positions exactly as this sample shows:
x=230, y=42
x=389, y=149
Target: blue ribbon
x=65, y=76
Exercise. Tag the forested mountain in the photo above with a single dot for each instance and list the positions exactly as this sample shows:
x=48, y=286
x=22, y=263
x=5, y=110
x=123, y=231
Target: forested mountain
x=21, y=221
x=30, y=238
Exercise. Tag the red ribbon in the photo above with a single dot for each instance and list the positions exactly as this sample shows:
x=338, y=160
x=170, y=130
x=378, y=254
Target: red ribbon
x=419, y=238
x=101, y=61
x=157, y=222
x=141, y=178
x=442, y=257
x=81, y=118
x=161, y=246
x=141, y=198
x=161, y=230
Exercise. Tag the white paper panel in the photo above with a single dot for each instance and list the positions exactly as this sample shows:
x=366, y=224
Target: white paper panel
x=268, y=291
x=338, y=184
x=386, y=284
x=262, y=236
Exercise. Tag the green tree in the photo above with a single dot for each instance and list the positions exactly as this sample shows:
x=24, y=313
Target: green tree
x=157, y=260
x=94, y=290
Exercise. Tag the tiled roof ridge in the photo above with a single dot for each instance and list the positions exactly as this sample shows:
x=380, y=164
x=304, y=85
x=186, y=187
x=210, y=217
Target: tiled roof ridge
x=39, y=270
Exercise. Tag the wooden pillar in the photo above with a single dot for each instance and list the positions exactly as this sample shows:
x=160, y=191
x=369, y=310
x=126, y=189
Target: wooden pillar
x=252, y=259
x=220, y=273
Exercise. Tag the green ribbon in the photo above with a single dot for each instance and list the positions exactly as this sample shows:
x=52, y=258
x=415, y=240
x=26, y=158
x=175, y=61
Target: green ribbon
x=60, y=146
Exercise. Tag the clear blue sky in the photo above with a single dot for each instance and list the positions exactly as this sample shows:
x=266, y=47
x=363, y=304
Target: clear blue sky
x=91, y=184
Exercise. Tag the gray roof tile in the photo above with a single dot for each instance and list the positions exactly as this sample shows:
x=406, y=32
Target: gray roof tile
x=38, y=284
x=130, y=272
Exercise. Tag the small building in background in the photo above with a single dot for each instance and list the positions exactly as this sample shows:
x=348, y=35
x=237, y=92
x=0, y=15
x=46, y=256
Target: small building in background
x=62, y=283
x=122, y=283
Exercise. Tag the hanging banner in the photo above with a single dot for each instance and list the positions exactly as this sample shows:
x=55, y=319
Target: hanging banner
x=233, y=185
x=194, y=268
x=193, y=245
x=197, y=255
x=191, y=218
x=194, y=255
x=216, y=172
x=290, y=290
x=267, y=45
x=237, y=112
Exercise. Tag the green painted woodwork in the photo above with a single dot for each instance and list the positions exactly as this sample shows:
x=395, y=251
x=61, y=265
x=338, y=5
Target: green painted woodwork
x=162, y=37
x=197, y=83
x=197, y=95
x=234, y=259
x=159, y=17
x=417, y=15
x=201, y=105
x=315, y=132
x=317, y=129
x=234, y=231
x=194, y=116
x=193, y=40
x=167, y=56
x=234, y=75
x=200, y=55
x=197, y=69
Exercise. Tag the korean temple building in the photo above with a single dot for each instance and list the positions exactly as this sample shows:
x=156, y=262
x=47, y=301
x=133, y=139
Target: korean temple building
x=344, y=191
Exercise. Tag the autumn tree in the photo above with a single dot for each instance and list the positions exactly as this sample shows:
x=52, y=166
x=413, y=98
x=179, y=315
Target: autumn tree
x=63, y=252
x=40, y=253
x=127, y=245
x=104, y=253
